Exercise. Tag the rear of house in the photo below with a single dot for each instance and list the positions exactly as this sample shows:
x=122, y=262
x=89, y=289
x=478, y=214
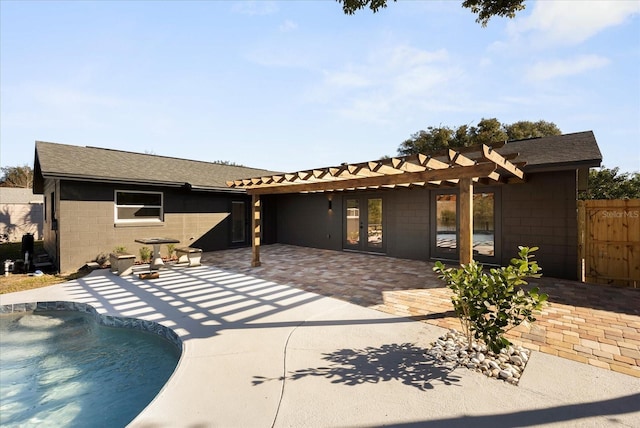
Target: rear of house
x=422, y=220
x=97, y=199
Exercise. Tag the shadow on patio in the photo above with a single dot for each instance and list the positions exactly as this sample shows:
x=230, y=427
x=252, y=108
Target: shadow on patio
x=588, y=323
x=400, y=362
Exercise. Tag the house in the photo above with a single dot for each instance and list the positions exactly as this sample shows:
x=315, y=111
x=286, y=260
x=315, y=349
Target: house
x=475, y=202
x=20, y=213
x=97, y=199
x=478, y=202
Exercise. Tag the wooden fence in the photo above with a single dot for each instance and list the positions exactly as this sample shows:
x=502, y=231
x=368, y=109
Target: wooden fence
x=609, y=242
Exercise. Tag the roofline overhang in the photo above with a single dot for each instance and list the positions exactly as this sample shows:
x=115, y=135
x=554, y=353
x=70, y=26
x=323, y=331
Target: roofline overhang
x=562, y=166
x=153, y=183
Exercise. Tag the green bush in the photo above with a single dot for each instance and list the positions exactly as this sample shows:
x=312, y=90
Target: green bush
x=120, y=249
x=171, y=248
x=490, y=304
x=145, y=254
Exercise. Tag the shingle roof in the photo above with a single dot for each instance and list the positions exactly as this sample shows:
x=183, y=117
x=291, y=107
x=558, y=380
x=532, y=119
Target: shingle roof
x=99, y=164
x=566, y=151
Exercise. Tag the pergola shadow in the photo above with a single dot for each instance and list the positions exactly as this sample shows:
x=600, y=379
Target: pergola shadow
x=202, y=302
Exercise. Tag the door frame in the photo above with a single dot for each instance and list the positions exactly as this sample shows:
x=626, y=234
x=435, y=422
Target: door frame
x=437, y=253
x=363, y=220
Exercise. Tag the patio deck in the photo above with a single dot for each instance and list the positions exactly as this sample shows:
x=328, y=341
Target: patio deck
x=591, y=324
x=264, y=353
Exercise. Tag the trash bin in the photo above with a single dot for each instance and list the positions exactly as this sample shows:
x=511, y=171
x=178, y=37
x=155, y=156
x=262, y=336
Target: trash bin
x=27, y=244
x=27, y=251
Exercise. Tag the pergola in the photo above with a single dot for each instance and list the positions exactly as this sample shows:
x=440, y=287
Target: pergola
x=460, y=167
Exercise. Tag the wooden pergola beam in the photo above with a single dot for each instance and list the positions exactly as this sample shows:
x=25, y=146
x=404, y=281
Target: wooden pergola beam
x=255, y=230
x=475, y=171
x=495, y=157
x=466, y=220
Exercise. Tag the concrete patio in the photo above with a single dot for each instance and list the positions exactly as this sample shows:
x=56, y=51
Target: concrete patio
x=268, y=347
x=591, y=324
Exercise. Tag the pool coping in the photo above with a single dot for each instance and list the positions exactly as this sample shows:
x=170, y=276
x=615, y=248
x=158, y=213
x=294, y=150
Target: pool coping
x=146, y=326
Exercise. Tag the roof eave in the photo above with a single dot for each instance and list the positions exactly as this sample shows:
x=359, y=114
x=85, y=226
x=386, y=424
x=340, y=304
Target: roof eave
x=562, y=166
x=137, y=182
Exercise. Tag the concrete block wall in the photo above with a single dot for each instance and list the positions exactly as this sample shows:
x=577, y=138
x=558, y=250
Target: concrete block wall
x=407, y=223
x=87, y=228
x=543, y=212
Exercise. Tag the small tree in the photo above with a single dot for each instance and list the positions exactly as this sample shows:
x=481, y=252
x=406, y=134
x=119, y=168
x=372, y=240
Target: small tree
x=490, y=304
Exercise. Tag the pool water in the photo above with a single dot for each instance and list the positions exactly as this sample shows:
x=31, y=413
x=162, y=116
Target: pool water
x=63, y=369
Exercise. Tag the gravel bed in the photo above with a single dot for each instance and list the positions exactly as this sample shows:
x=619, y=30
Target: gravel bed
x=452, y=349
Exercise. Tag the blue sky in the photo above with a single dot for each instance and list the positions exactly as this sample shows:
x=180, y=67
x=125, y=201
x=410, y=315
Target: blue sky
x=292, y=85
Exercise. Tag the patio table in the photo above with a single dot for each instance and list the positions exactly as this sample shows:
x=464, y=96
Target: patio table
x=156, y=262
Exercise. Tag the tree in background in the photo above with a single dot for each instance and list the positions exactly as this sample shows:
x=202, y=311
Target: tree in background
x=605, y=183
x=488, y=131
x=485, y=9
x=485, y=132
x=525, y=129
x=17, y=176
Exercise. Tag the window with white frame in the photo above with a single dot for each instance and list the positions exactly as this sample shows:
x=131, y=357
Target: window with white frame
x=138, y=207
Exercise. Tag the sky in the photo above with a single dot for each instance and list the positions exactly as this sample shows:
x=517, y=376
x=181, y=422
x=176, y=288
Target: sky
x=295, y=85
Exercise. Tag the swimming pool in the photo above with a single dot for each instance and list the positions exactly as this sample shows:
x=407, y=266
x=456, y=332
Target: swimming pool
x=66, y=368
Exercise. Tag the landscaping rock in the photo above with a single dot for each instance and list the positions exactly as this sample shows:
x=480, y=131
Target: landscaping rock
x=454, y=350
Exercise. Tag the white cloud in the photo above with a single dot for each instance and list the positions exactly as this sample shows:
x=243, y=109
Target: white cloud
x=288, y=26
x=546, y=70
x=346, y=78
x=572, y=22
x=389, y=83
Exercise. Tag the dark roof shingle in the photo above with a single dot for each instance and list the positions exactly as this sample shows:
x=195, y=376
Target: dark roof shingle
x=92, y=163
x=565, y=151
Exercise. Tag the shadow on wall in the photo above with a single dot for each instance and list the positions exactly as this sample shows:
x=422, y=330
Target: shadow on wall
x=19, y=219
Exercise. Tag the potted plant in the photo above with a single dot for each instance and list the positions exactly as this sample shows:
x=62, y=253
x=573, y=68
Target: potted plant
x=121, y=262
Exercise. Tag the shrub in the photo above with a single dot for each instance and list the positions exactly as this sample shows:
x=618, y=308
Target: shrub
x=170, y=249
x=490, y=304
x=145, y=254
x=120, y=249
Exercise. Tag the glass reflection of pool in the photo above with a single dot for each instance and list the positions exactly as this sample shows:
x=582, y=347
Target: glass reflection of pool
x=64, y=369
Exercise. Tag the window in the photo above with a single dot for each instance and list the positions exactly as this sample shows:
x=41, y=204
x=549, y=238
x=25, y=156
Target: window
x=54, y=220
x=486, y=225
x=484, y=231
x=137, y=207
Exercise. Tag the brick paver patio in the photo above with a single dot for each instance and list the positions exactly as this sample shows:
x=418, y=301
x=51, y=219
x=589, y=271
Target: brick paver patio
x=591, y=324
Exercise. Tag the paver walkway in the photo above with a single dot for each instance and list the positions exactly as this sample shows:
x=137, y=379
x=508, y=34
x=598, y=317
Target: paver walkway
x=592, y=324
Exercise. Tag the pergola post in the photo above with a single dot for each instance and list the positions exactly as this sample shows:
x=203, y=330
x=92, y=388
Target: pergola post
x=255, y=230
x=466, y=220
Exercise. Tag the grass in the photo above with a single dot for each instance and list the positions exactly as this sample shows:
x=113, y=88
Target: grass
x=20, y=282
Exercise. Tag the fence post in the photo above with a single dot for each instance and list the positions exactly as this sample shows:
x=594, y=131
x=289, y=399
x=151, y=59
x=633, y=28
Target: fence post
x=581, y=241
